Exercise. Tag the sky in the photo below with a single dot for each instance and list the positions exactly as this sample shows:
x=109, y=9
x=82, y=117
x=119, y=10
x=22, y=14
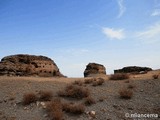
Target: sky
x=114, y=33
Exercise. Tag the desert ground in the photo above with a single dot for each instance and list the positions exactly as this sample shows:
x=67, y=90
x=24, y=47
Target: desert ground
x=108, y=104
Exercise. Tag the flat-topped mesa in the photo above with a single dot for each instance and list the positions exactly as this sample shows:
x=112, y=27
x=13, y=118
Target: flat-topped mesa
x=94, y=69
x=28, y=65
x=133, y=70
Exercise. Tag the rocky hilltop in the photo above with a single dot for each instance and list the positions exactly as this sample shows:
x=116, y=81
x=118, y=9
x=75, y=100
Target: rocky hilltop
x=133, y=70
x=94, y=69
x=28, y=65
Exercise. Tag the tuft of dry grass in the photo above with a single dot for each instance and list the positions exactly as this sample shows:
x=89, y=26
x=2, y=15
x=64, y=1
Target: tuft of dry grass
x=74, y=91
x=125, y=93
x=78, y=82
x=54, y=109
x=89, y=101
x=98, y=82
x=88, y=81
x=119, y=76
x=155, y=76
x=45, y=95
x=29, y=98
x=73, y=108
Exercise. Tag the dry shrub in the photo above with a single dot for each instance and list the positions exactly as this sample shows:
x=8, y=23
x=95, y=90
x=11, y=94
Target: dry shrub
x=73, y=108
x=119, y=76
x=78, y=82
x=54, y=109
x=89, y=100
x=88, y=81
x=125, y=93
x=45, y=95
x=98, y=82
x=155, y=76
x=74, y=91
x=29, y=98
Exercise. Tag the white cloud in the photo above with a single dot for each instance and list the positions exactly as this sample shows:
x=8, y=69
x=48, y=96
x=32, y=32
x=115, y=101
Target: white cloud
x=150, y=35
x=113, y=34
x=156, y=12
x=121, y=8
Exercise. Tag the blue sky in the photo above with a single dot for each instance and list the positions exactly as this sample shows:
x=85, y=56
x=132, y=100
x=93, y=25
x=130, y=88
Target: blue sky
x=115, y=33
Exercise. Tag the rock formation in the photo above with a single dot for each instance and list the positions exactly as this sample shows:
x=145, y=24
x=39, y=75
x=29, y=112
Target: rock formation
x=28, y=65
x=94, y=69
x=133, y=70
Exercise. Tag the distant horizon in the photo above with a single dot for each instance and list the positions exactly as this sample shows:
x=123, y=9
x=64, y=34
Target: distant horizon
x=85, y=66
x=114, y=33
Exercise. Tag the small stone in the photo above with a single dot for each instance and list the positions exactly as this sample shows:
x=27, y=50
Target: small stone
x=14, y=104
x=5, y=100
x=92, y=114
x=87, y=113
x=37, y=103
x=25, y=108
x=45, y=115
x=130, y=108
x=43, y=104
x=141, y=90
x=115, y=106
x=103, y=110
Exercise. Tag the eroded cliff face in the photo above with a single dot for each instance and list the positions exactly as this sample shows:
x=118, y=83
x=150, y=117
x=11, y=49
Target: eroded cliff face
x=28, y=65
x=94, y=69
x=133, y=70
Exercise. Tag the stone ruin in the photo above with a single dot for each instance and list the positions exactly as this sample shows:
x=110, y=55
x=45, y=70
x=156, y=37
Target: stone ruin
x=133, y=70
x=94, y=69
x=28, y=65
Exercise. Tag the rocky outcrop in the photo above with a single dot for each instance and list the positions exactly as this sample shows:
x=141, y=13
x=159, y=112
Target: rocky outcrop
x=133, y=70
x=94, y=69
x=28, y=65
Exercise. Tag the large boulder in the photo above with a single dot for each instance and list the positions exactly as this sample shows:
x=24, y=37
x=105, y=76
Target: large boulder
x=28, y=65
x=133, y=70
x=94, y=69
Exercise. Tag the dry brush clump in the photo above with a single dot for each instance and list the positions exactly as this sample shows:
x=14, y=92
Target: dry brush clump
x=119, y=76
x=155, y=76
x=78, y=82
x=54, y=109
x=29, y=98
x=74, y=91
x=88, y=81
x=125, y=93
x=45, y=95
x=89, y=100
x=98, y=82
x=73, y=108
x=32, y=97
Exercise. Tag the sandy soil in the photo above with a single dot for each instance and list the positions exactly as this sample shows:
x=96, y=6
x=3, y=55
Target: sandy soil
x=109, y=105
